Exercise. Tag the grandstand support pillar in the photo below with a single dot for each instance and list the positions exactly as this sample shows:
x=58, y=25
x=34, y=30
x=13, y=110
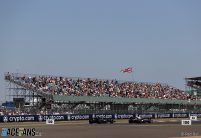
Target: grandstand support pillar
x=112, y=108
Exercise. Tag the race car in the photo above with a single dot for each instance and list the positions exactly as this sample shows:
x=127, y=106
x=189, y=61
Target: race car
x=101, y=120
x=139, y=120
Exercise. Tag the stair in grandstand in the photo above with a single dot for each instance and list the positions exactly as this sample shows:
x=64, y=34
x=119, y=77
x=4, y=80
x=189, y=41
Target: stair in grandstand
x=19, y=83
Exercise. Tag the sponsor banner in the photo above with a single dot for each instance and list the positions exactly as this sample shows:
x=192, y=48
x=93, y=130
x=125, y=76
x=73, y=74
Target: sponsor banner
x=19, y=118
x=54, y=117
x=78, y=117
x=181, y=115
x=164, y=115
x=146, y=115
x=196, y=114
x=123, y=116
x=102, y=115
x=68, y=117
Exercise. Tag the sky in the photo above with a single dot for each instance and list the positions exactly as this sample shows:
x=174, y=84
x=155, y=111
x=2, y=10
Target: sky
x=160, y=39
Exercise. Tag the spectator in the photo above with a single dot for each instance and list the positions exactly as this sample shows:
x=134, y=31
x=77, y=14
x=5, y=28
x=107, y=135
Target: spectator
x=95, y=87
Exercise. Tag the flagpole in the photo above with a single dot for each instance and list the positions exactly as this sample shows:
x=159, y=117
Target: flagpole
x=132, y=75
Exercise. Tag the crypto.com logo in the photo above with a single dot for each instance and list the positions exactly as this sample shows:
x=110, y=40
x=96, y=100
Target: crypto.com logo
x=5, y=118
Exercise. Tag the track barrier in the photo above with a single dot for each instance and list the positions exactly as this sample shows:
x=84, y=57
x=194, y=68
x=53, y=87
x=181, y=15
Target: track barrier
x=71, y=117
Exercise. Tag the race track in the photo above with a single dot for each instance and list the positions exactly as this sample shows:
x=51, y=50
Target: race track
x=81, y=129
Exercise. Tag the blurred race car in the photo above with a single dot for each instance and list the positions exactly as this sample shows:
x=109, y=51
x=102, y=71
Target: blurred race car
x=139, y=120
x=101, y=120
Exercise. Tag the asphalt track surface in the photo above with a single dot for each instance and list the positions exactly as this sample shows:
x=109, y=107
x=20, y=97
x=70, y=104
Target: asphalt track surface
x=81, y=129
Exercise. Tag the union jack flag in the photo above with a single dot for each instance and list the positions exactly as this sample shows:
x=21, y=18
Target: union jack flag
x=127, y=70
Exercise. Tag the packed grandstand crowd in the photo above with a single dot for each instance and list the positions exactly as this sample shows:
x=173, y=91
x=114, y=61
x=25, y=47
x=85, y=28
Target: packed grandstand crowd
x=95, y=87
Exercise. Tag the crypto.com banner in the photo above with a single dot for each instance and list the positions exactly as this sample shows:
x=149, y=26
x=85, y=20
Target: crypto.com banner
x=69, y=117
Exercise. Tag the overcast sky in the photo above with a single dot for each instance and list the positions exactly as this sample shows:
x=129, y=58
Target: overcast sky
x=160, y=39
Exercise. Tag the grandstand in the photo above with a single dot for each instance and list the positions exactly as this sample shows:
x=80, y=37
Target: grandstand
x=57, y=94
x=194, y=86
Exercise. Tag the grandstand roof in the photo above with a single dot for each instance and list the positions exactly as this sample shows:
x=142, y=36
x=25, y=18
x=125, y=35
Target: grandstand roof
x=119, y=100
x=193, y=78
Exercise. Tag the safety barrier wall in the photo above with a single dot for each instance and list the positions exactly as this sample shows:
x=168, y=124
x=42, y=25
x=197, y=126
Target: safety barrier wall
x=71, y=117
